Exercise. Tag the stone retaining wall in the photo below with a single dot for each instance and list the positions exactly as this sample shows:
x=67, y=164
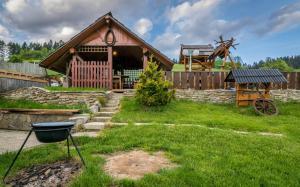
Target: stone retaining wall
x=228, y=96
x=213, y=96
x=18, y=121
x=57, y=97
x=286, y=95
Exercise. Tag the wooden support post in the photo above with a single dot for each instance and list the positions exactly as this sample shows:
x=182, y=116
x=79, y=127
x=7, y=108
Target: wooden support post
x=184, y=61
x=145, y=59
x=68, y=69
x=110, y=63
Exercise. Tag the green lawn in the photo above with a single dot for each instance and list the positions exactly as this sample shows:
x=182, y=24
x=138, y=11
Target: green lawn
x=52, y=73
x=180, y=68
x=205, y=156
x=226, y=116
x=26, y=104
x=72, y=89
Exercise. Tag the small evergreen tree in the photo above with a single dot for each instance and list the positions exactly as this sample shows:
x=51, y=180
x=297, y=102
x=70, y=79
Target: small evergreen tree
x=152, y=89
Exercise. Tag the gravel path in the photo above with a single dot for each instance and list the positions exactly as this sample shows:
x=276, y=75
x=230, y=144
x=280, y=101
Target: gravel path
x=11, y=140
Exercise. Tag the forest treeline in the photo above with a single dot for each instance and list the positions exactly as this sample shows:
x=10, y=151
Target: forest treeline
x=36, y=51
x=27, y=52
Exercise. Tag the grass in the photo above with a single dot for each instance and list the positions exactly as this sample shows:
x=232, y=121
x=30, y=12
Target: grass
x=72, y=89
x=205, y=157
x=226, y=116
x=26, y=104
x=53, y=73
x=180, y=68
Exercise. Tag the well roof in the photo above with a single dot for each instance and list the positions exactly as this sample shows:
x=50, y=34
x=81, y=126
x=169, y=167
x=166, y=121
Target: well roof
x=255, y=76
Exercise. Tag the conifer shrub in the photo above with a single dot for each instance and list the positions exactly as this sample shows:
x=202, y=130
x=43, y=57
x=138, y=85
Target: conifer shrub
x=152, y=89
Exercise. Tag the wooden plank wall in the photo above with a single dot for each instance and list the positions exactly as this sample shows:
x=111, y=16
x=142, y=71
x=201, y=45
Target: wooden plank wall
x=10, y=80
x=7, y=84
x=93, y=74
x=24, y=67
x=215, y=80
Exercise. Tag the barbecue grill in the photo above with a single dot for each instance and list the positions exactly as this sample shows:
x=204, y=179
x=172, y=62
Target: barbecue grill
x=50, y=132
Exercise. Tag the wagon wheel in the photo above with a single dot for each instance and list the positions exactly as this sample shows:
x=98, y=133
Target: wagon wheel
x=265, y=107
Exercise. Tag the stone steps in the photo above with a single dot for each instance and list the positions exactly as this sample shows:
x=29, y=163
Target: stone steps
x=98, y=121
x=101, y=119
x=94, y=126
x=112, y=105
x=104, y=114
x=109, y=109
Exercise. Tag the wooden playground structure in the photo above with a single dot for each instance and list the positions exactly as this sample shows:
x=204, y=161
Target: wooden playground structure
x=202, y=57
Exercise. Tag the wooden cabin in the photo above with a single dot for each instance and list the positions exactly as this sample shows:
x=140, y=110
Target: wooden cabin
x=196, y=57
x=252, y=84
x=106, y=54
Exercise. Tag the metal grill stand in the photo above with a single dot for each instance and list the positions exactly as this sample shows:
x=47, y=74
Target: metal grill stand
x=46, y=130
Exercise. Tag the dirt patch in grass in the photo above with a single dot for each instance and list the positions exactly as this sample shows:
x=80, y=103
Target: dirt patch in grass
x=135, y=164
x=46, y=175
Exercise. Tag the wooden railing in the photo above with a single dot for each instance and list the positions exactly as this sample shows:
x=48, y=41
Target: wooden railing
x=215, y=80
x=95, y=74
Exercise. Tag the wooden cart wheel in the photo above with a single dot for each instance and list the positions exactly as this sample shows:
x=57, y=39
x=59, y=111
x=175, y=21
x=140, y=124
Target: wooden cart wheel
x=265, y=107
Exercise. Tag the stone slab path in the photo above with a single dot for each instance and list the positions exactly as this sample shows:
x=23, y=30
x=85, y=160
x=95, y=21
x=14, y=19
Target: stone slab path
x=11, y=140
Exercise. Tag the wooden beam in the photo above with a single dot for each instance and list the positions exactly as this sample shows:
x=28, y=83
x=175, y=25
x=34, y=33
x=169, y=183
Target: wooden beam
x=145, y=58
x=72, y=50
x=20, y=76
x=110, y=62
x=184, y=61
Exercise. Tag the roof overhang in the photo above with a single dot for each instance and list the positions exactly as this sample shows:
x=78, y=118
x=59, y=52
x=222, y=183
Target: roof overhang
x=56, y=60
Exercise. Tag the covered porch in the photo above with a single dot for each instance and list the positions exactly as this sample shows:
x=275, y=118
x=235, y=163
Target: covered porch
x=116, y=67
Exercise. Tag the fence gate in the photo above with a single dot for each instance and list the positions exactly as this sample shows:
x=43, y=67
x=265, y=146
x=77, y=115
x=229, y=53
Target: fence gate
x=92, y=74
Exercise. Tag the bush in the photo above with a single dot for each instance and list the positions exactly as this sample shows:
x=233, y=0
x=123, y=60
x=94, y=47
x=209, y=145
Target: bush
x=102, y=100
x=152, y=89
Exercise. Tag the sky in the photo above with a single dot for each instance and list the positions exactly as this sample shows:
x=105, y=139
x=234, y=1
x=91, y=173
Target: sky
x=263, y=28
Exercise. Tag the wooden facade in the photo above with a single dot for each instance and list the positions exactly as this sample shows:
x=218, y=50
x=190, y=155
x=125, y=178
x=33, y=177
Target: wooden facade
x=103, y=52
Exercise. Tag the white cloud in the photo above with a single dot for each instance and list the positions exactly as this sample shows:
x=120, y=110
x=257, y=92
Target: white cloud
x=285, y=18
x=195, y=23
x=65, y=33
x=187, y=10
x=15, y=6
x=143, y=26
x=4, y=33
x=47, y=18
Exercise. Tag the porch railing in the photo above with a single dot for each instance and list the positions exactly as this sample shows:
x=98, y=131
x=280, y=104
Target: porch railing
x=95, y=74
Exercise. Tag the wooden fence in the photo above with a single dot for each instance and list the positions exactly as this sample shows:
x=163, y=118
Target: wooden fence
x=25, y=67
x=215, y=80
x=96, y=74
x=10, y=80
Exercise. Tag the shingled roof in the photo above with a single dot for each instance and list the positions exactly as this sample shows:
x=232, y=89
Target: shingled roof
x=255, y=76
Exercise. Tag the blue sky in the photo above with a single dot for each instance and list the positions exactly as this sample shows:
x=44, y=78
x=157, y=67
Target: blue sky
x=264, y=28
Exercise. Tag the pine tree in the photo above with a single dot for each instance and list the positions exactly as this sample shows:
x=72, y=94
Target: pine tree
x=152, y=89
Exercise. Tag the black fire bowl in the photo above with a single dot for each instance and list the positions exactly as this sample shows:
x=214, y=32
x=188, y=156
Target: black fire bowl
x=52, y=131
